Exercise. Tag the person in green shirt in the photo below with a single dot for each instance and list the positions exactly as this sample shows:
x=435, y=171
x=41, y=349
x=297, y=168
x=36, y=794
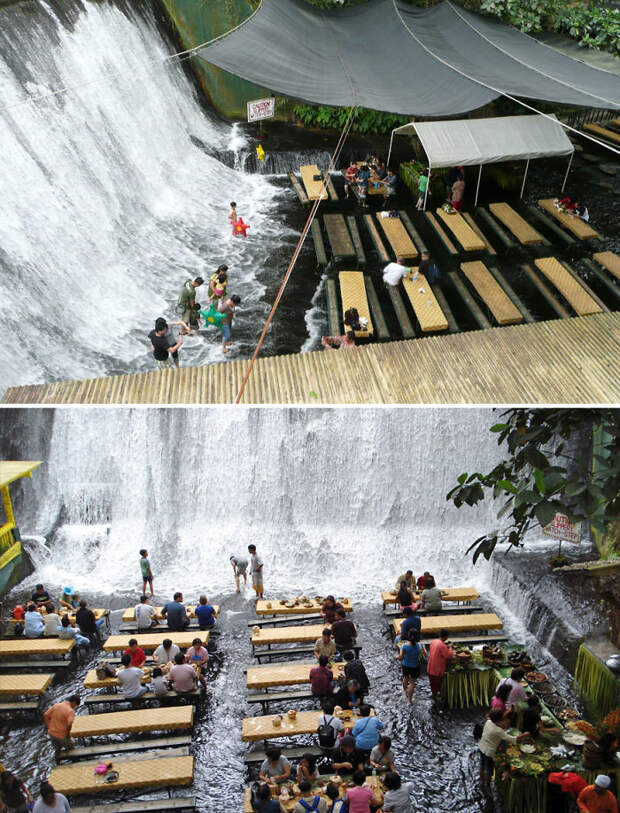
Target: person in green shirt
x=422, y=187
x=187, y=297
x=147, y=573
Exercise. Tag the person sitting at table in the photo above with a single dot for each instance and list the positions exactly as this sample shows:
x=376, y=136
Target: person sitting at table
x=145, y=614
x=346, y=758
x=430, y=599
x=500, y=701
x=324, y=645
x=14, y=792
x=165, y=654
x=366, y=731
x=354, y=670
x=309, y=803
x=307, y=768
x=344, y=632
x=205, y=613
x=50, y=801
x=332, y=791
x=88, y=624
x=328, y=718
x=422, y=580
x=530, y=719
x=329, y=609
x=33, y=622
x=51, y=620
x=182, y=675
x=382, y=756
x=274, y=768
x=69, y=598
x=264, y=802
x=363, y=176
x=396, y=798
x=175, y=614
x=40, y=595
x=136, y=653
x=380, y=170
x=361, y=796
x=349, y=178
x=349, y=696
x=517, y=692
x=130, y=679
x=159, y=684
x=58, y=720
x=322, y=678
x=404, y=597
x=408, y=578
x=411, y=626
x=581, y=210
x=68, y=630
x=198, y=657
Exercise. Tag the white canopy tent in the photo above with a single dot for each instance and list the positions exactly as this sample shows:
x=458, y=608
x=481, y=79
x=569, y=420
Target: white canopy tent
x=474, y=142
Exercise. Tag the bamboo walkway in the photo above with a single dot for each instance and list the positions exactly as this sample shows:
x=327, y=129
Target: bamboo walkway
x=560, y=361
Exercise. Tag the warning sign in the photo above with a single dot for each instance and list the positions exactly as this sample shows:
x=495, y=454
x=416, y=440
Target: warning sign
x=261, y=109
x=560, y=527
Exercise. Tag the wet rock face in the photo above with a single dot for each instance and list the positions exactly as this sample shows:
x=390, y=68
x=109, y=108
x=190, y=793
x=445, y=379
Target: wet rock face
x=561, y=610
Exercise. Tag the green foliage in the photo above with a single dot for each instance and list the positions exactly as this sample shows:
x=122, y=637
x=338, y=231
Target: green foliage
x=540, y=478
x=528, y=15
x=370, y=122
x=596, y=25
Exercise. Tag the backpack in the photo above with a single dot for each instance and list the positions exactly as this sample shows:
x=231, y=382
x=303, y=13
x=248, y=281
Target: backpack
x=306, y=806
x=327, y=734
x=343, y=806
x=104, y=670
x=432, y=273
x=477, y=731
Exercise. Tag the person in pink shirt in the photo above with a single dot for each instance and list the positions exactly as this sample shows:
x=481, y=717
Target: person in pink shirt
x=439, y=653
x=360, y=796
x=500, y=701
x=198, y=656
x=182, y=675
x=517, y=692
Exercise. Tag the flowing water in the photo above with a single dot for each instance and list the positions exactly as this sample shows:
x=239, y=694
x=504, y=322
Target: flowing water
x=336, y=500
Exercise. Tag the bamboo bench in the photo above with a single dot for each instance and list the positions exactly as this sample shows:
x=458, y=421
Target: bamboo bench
x=472, y=608
x=270, y=654
x=253, y=757
x=285, y=619
x=111, y=699
x=265, y=698
x=114, y=748
x=152, y=806
x=25, y=707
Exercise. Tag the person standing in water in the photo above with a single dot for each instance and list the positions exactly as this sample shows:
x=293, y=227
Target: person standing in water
x=256, y=569
x=232, y=215
x=161, y=347
x=228, y=307
x=187, y=297
x=145, y=569
x=239, y=566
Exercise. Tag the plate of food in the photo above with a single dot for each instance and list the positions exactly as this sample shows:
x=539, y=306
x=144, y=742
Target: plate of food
x=569, y=714
x=527, y=748
x=535, y=677
x=518, y=764
x=574, y=738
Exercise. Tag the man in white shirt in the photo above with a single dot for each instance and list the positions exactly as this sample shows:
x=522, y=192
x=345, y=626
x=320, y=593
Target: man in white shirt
x=256, y=568
x=394, y=272
x=165, y=652
x=51, y=620
x=493, y=734
x=130, y=679
x=145, y=614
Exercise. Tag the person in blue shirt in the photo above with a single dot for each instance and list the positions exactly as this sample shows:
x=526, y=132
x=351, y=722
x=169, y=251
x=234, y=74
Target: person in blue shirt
x=33, y=622
x=175, y=613
x=366, y=731
x=363, y=176
x=409, y=656
x=205, y=613
x=411, y=626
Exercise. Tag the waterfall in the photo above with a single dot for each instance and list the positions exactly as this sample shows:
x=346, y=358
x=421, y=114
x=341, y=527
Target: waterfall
x=108, y=202
x=355, y=492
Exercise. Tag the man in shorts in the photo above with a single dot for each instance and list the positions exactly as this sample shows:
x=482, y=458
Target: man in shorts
x=187, y=297
x=390, y=185
x=239, y=566
x=161, y=347
x=256, y=569
x=363, y=176
x=145, y=570
x=228, y=307
x=58, y=721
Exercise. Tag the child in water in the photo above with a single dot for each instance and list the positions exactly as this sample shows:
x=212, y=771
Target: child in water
x=193, y=323
x=232, y=215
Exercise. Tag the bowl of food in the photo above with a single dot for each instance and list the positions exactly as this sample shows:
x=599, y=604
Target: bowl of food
x=527, y=748
x=256, y=629
x=574, y=738
x=569, y=714
x=535, y=677
x=269, y=605
x=292, y=714
x=277, y=720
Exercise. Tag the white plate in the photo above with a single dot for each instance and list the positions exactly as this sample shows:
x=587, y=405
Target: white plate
x=528, y=749
x=574, y=738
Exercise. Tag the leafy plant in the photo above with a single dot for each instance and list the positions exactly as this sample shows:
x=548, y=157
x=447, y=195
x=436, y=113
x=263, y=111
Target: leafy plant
x=595, y=25
x=542, y=476
x=370, y=122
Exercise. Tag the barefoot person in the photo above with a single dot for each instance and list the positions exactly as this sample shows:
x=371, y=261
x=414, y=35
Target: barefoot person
x=345, y=342
x=228, y=307
x=232, y=215
x=239, y=566
x=187, y=297
x=161, y=347
x=256, y=569
x=409, y=656
x=145, y=569
x=439, y=653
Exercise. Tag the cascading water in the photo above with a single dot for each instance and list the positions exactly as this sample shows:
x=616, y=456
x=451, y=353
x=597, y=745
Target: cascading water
x=107, y=204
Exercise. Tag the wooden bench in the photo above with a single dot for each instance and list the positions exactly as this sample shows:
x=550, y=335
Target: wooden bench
x=492, y=223
x=521, y=229
x=164, y=772
x=331, y=189
x=571, y=222
x=490, y=291
x=339, y=238
x=285, y=619
x=319, y=245
x=426, y=308
x=111, y=699
x=470, y=608
x=396, y=234
x=577, y=294
x=130, y=722
x=15, y=685
x=471, y=303
x=357, y=240
x=265, y=698
x=413, y=232
x=448, y=244
x=384, y=257
x=353, y=295
x=153, y=806
x=285, y=674
x=463, y=232
x=433, y=624
x=25, y=707
x=270, y=654
x=149, y=641
x=314, y=189
x=610, y=135
x=254, y=757
x=610, y=261
x=378, y=319
x=114, y=748
x=299, y=190
x=34, y=664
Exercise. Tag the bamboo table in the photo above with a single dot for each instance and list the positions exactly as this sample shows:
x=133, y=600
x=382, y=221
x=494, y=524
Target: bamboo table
x=149, y=641
x=319, y=790
x=353, y=295
x=277, y=607
x=461, y=229
x=571, y=289
x=130, y=613
x=254, y=729
x=314, y=189
x=423, y=301
x=398, y=237
x=288, y=635
x=521, y=229
x=98, y=612
x=571, y=222
x=610, y=261
x=433, y=624
x=24, y=684
x=91, y=681
x=168, y=718
x=492, y=293
x=285, y=674
x=139, y=773
x=458, y=594
x=23, y=647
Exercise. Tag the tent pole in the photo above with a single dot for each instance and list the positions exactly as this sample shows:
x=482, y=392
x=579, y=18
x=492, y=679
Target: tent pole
x=570, y=161
x=427, y=186
x=478, y=185
x=390, y=150
x=527, y=166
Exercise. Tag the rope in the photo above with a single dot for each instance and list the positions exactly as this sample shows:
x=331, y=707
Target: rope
x=178, y=55
x=300, y=242
x=497, y=90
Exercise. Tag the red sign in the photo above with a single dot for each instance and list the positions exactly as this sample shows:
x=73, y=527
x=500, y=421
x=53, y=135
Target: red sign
x=261, y=109
x=560, y=527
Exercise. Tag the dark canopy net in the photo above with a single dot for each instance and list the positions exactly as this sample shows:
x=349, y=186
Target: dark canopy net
x=388, y=56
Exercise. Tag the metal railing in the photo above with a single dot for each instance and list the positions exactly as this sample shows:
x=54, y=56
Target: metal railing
x=591, y=115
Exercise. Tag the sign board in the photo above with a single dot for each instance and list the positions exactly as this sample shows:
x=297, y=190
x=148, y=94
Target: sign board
x=261, y=109
x=561, y=528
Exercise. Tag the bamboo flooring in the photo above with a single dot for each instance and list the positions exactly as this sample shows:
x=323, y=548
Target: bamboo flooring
x=559, y=361
x=492, y=293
